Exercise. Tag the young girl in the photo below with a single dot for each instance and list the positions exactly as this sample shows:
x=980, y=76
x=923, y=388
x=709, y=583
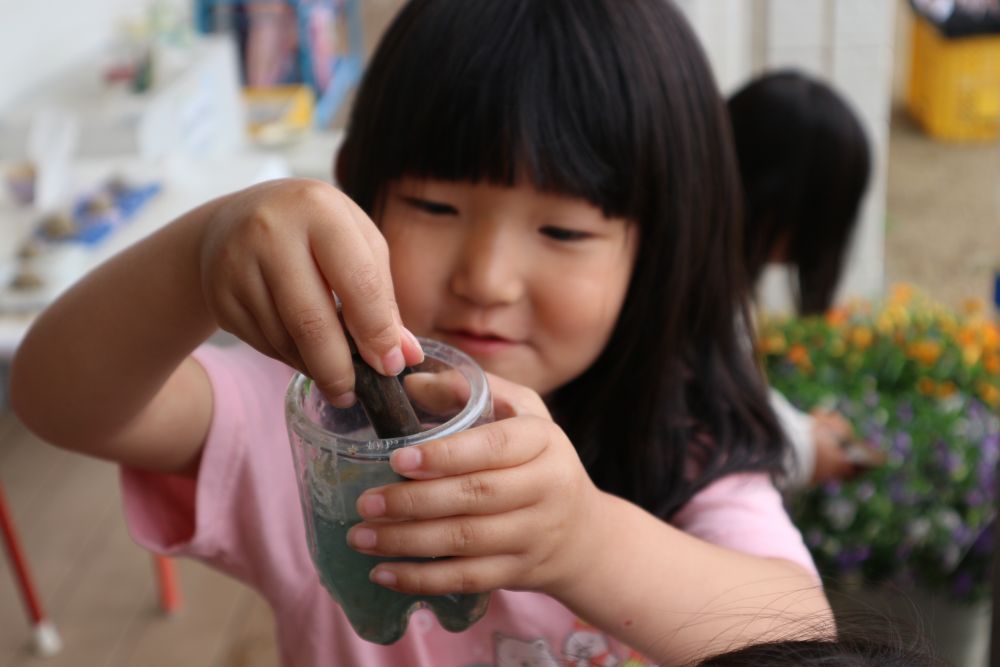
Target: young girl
x=554, y=192
x=804, y=163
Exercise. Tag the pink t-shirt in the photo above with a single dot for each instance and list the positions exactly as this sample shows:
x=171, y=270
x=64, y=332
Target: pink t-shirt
x=242, y=516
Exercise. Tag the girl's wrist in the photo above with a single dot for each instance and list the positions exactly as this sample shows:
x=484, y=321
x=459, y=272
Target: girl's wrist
x=588, y=550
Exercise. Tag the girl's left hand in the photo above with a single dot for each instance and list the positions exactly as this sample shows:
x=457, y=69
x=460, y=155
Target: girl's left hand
x=509, y=502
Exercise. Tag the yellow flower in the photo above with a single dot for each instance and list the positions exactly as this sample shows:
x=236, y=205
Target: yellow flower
x=773, y=343
x=990, y=393
x=884, y=324
x=971, y=354
x=973, y=306
x=899, y=315
x=861, y=337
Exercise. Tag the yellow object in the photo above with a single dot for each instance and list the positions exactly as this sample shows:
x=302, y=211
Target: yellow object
x=279, y=114
x=954, y=87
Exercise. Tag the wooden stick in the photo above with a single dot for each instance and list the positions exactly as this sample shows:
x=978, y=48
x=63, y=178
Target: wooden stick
x=383, y=399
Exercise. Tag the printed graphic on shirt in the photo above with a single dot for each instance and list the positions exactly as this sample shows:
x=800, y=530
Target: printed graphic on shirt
x=585, y=646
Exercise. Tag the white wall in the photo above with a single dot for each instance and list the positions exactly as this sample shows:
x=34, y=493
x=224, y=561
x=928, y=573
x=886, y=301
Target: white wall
x=848, y=43
x=39, y=38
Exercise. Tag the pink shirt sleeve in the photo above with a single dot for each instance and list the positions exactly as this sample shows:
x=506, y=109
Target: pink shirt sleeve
x=744, y=512
x=233, y=516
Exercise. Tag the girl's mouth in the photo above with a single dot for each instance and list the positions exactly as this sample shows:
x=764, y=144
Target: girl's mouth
x=476, y=343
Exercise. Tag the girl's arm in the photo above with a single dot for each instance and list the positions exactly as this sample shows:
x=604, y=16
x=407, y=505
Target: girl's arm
x=678, y=599
x=105, y=370
x=513, y=504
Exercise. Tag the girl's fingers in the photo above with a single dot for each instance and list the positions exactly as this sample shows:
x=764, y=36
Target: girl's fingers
x=513, y=400
x=479, y=493
x=439, y=393
x=308, y=313
x=264, y=311
x=446, y=577
x=502, y=444
x=455, y=536
x=359, y=275
x=239, y=321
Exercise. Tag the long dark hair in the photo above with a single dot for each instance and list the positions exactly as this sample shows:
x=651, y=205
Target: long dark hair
x=612, y=101
x=859, y=638
x=804, y=161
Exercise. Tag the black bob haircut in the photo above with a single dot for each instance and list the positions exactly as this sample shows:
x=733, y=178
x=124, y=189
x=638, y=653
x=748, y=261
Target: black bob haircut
x=612, y=101
x=804, y=161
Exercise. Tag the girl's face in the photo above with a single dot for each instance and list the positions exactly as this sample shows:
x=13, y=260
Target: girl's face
x=527, y=283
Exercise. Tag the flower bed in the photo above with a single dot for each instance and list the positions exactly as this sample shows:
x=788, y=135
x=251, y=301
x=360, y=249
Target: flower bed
x=922, y=383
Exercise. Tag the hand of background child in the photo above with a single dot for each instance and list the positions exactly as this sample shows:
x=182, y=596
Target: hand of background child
x=270, y=256
x=831, y=433
x=510, y=501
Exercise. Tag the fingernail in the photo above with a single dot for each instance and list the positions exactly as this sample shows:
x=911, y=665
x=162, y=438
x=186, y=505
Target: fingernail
x=371, y=505
x=406, y=459
x=361, y=538
x=382, y=577
x=345, y=400
x=416, y=343
x=393, y=362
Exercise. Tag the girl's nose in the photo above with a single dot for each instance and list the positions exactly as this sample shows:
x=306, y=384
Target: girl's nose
x=488, y=271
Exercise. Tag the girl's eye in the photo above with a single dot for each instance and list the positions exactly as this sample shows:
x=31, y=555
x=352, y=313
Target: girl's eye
x=431, y=207
x=563, y=234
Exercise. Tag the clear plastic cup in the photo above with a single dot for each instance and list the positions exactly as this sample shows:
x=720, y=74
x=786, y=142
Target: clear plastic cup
x=337, y=457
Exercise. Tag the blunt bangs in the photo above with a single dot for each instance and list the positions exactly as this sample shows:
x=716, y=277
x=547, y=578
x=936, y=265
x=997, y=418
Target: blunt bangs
x=502, y=92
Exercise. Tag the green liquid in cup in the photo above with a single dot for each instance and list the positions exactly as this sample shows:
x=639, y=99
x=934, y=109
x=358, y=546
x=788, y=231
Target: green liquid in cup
x=377, y=613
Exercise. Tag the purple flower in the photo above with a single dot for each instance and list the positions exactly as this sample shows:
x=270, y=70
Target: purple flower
x=962, y=585
x=984, y=543
x=902, y=443
x=851, y=557
x=905, y=412
x=961, y=534
x=975, y=498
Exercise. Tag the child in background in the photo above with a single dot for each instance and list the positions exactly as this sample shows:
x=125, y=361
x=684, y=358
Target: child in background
x=804, y=162
x=549, y=186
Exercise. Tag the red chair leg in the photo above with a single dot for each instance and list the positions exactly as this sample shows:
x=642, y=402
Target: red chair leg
x=46, y=637
x=166, y=580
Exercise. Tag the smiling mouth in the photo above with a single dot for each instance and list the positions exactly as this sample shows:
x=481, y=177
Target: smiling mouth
x=478, y=342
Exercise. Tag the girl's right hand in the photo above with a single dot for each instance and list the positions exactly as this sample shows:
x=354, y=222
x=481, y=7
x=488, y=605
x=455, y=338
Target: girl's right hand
x=273, y=256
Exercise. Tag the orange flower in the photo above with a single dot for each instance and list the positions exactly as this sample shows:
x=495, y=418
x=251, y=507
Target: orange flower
x=901, y=293
x=837, y=316
x=799, y=355
x=946, y=388
x=991, y=362
x=991, y=336
x=966, y=336
x=926, y=352
x=926, y=386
